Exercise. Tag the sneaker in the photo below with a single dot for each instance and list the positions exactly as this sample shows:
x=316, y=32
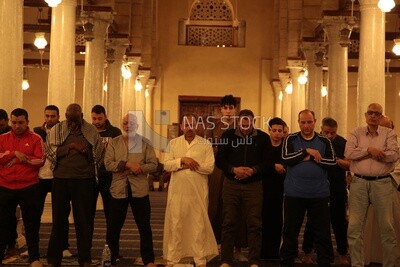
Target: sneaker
x=36, y=263
x=67, y=253
x=24, y=254
x=238, y=256
x=307, y=259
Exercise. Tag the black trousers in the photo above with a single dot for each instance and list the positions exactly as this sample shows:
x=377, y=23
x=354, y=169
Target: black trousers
x=44, y=188
x=104, y=189
x=318, y=217
x=338, y=201
x=140, y=207
x=27, y=198
x=81, y=193
x=272, y=226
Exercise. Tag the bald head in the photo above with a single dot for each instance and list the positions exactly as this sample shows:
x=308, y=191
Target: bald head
x=74, y=113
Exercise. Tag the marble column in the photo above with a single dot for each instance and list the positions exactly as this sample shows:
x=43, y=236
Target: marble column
x=142, y=77
x=338, y=73
x=94, y=63
x=284, y=77
x=114, y=82
x=278, y=92
x=314, y=67
x=371, y=71
x=61, y=90
x=298, y=95
x=148, y=94
x=11, y=51
x=128, y=85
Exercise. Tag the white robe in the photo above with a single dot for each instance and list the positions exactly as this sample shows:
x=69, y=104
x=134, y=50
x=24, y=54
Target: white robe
x=187, y=228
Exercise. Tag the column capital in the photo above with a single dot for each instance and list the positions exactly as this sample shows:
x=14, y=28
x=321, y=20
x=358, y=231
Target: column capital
x=314, y=52
x=368, y=4
x=338, y=29
x=284, y=77
x=277, y=86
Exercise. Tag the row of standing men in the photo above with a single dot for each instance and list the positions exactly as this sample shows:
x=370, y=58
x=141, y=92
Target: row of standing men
x=74, y=146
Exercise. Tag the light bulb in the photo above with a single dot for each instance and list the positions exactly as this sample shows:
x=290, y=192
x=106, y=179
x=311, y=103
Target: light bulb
x=53, y=3
x=396, y=47
x=138, y=85
x=386, y=5
x=302, y=79
x=289, y=88
x=40, y=40
x=324, y=91
x=126, y=71
x=25, y=84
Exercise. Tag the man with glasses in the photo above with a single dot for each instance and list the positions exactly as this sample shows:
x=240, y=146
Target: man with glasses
x=373, y=151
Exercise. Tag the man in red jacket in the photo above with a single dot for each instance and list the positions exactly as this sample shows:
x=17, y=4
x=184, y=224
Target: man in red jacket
x=21, y=156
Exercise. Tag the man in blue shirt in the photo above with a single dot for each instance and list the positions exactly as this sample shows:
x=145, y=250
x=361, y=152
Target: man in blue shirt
x=307, y=156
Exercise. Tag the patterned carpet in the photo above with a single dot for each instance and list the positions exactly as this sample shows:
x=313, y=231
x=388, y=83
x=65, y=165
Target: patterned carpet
x=129, y=243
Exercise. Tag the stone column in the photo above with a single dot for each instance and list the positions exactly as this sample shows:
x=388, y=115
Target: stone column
x=94, y=63
x=143, y=76
x=371, y=71
x=11, y=50
x=277, y=87
x=314, y=67
x=298, y=95
x=114, y=90
x=128, y=87
x=148, y=94
x=62, y=55
x=338, y=73
x=284, y=77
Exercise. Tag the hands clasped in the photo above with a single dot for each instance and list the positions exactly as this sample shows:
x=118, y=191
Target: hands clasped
x=242, y=172
x=189, y=163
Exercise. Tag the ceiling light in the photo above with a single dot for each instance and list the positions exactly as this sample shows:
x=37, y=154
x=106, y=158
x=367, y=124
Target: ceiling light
x=396, y=47
x=324, y=91
x=302, y=79
x=386, y=5
x=138, y=85
x=25, y=84
x=289, y=88
x=53, y=3
x=40, y=40
x=126, y=71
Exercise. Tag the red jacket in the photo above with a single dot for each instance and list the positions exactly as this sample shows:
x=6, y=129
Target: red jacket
x=20, y=175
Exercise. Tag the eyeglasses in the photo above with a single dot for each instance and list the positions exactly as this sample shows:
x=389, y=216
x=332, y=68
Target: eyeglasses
x=376, y=113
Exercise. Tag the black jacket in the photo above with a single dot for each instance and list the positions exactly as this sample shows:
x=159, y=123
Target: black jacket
x=254, y=151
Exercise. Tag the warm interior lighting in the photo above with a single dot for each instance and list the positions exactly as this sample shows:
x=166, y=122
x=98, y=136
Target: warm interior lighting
x=25, y=84
x=386, y=5
x=289, y=88
x=396, y=47
x=40, y=40
x=105, y=87
x=126, y=71
x=280, y=97
x=146, y=93
x=302, y=79
x=53, y=3
x=138, y=85
x=324, y=91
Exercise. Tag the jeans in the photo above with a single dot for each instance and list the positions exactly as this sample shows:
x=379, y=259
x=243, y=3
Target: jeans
x=379, y=194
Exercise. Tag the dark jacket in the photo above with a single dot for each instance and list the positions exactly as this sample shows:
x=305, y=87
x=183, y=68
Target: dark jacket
x=254, y=151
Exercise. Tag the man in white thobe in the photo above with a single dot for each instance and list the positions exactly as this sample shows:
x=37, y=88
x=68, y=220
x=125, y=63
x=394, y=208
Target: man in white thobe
x=187, y=229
